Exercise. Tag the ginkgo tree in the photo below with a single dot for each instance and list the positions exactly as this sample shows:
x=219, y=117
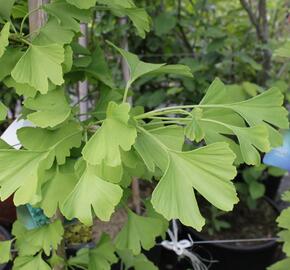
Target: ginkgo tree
x=83, y=170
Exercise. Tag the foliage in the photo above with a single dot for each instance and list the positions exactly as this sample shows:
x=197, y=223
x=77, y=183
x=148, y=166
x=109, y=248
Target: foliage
x=84, y=169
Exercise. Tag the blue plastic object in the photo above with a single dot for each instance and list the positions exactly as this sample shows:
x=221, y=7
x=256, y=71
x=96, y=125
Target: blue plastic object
x=280, y=156
x=31, y=217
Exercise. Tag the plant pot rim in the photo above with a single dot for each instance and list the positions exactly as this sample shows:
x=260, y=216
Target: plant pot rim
x=261, y=246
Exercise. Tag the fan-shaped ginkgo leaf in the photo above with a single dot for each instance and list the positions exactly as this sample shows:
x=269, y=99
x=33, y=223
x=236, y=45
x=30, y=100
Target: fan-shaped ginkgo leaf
x=91, y=193
x=139, y=232
x=58, y=142
x=20, y=174
x=50, y=109
x=39, y=66
x=115, y=133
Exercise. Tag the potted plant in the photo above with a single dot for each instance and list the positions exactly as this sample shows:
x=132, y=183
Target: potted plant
x=83, y=170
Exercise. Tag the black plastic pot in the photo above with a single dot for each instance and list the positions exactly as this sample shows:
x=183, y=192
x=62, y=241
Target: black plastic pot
x=272, y=184
x=4, y=236
x=233, y=257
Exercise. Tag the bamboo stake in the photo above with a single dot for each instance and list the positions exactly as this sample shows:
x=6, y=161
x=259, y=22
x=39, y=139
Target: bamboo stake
x=83, y=87
x=126, y=75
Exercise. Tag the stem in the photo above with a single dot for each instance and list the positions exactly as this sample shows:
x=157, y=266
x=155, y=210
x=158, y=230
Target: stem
x=126, y=93
x=136, y=195
x=26, y=17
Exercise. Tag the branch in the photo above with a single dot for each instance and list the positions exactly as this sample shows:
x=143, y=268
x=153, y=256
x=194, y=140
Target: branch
x=253, y=18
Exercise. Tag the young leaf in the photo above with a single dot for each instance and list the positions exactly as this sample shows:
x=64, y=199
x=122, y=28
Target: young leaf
x=205, y=171
x=67, y=15
x=53, y=32
x=139, y=68
x=29, y=242
x=4, y=34
x=99, y=258
x=61, y=182
x=139, y=262
x=30, y=262
x=138, y=232
x=20, y=174
x=58, y=142
x=36, y=73
x=51, y=109
x=265, y=109
x=5, y=251
x=91, y=193
x=115, y=133
x=3, y=111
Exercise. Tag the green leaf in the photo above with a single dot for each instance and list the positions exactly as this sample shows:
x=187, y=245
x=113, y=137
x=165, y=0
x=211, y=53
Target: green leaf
x=91, y=193
x=20, y=174
x=99, y=69
x=193, y=130
x=284, y=51
x=3, y=111
x=67, y=15
x=53, y=32
x=140, y=19
x=265, y=109
x=164, y=23
x=8, y=61
x=281, y=265
x=115, y=133
x=228, y=115
x=58, y=142
x=257, y=190
x=138, y=232
x=29, y=242
x=138, y=16
x=6, y=8
x=61, y=182
x=285, y=237
x=30, y=262
x=40, y=65
x=20, y=88
x=82, y=4
x=5, y=253
x=99, y=258
x=284, y=219
x=4, y=34
x=139, y=68
x=106, y=96
x=50, y=110
x=139, y=262
x=203, y=170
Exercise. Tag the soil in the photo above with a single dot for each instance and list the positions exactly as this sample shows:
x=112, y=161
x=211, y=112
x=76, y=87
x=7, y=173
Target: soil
x=246, y=223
